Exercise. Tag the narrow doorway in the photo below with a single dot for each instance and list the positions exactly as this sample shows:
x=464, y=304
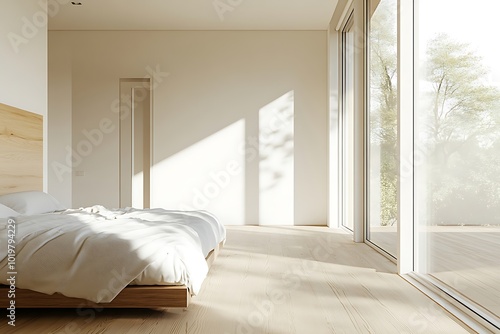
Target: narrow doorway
x=135, y=142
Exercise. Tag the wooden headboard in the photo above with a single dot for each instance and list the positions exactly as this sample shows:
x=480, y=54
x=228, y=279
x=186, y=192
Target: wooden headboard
x=21, y=150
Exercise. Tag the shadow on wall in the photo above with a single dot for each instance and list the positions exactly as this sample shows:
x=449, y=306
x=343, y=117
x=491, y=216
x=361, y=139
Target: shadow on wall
x=243, y=173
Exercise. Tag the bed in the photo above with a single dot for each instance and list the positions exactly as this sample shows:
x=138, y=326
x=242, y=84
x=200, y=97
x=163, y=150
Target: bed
x=96, y=256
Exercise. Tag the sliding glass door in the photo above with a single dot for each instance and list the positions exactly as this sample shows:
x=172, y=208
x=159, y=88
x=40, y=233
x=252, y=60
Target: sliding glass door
x=382, y=156
x=457, y=149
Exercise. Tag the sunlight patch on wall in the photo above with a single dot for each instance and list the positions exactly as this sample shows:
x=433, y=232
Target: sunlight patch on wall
x=276, y=165
x=138, y=190
x=208, y=175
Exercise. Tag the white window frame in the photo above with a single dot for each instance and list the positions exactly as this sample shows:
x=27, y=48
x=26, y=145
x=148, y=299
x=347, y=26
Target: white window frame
x=405, y=226
x=337, y=158
x=408, y=254
x=360, y=93
x=345, y=201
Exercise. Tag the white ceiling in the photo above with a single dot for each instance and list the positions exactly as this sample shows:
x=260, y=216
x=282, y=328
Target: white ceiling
x=192, y=15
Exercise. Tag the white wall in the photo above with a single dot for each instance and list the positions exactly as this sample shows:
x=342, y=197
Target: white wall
x=23, y=65
x=210, y=91
x=23, y=45
x=59, y=122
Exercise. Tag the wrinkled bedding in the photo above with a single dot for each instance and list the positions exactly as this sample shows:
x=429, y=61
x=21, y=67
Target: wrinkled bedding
x=93, y=253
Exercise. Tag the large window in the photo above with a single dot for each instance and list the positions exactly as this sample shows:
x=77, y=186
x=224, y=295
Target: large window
x=457, y=149
x=382, y=157
x=432, y=188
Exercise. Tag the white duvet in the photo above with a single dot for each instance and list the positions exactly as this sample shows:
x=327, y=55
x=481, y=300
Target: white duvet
x=93, y=253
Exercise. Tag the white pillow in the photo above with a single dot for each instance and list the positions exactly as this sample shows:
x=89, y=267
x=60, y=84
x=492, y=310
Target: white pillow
x=6, y=212
x=31, y=202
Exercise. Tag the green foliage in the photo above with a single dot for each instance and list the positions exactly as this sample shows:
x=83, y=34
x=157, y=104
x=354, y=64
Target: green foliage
x=462, y=123
x=458, y=122
x=383, y=108
x=462, y=104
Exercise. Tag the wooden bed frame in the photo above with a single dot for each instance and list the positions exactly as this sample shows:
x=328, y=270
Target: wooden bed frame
x=133, y=296
x=21, y=169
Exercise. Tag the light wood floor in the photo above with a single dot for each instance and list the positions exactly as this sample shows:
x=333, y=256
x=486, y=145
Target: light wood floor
x=465, y=258
x=277, y=280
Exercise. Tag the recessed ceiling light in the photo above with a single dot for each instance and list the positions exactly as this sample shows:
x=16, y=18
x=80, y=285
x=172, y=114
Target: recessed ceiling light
x=76, y=3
